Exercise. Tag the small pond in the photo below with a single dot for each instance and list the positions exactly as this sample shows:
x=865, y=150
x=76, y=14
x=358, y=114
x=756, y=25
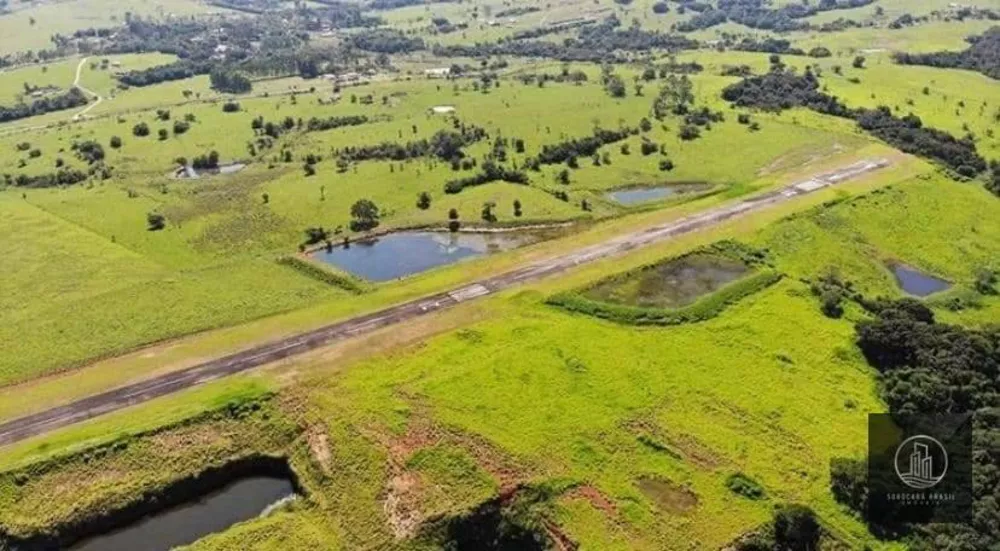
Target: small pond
x=639, y=195
x=406, y=253
x=241, y=500
x=917, y=283
x=672, y=284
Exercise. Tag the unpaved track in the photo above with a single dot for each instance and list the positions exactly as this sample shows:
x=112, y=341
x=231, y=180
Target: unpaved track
x=113, y=400
x=76, y=83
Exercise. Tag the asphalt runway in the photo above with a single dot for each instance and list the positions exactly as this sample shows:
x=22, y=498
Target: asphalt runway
x=168, y=383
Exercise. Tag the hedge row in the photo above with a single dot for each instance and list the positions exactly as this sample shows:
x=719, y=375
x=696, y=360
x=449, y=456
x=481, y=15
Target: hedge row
x=311, y=269
x=704, y=309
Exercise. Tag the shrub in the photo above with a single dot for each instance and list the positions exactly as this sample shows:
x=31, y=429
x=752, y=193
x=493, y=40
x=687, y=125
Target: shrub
x=116, y=142
x=140, y=130
x=743, y=485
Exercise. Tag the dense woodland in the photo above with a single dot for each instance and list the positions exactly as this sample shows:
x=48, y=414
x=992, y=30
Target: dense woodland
x=760, y=14
x=983, y=55
x=782, y=89
x=68, y=100
x=932, y=367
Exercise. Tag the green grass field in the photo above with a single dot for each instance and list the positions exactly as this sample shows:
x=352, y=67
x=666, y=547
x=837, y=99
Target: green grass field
x=632, y=430
x=17, y=33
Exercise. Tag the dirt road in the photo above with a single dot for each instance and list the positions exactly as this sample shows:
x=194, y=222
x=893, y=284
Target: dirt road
x=76, y=83
x=168, y=383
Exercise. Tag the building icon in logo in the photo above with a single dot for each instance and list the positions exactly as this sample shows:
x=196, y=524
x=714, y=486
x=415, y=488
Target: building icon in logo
x=921, y=462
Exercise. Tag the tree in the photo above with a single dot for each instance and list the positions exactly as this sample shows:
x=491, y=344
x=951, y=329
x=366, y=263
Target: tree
x=230, y=107
x=796, y=528
x=487, y=213
x=140, y=130
x=661, y=8
x=116, y=142
x=424, y=200
x=820, y=51
x=163, y=134
x=365, y=214
x=453, y=223
x=645, y=125
x=563, y=177
x=265, y=198
x=181, y=127
x=859, y=62
x=155, y=221
x=517, y=208
x=309, y=169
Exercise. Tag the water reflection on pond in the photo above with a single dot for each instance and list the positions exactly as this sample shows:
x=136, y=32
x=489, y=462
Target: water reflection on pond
x=917, y=283
x=405, y=253
x=241, y=500
x=672, y=284
x=638, y=195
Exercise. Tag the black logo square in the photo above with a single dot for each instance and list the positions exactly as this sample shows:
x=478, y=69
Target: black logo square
x=919, y=469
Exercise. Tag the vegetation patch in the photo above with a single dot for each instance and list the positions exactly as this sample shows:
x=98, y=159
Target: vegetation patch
x=319, y=273
x=690, y=288
x=743, y=485
x=668, y=496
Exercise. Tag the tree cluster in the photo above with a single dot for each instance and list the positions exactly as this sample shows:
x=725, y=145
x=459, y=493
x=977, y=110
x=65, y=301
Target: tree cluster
x=315, y=124
x=927, y=366
x=782, y=89
x=445, y=145
x=983, y=55
x=72, y=98
x=759, y=14
x=580, y=147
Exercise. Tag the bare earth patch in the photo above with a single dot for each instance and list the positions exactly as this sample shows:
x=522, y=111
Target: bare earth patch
x=668, y=496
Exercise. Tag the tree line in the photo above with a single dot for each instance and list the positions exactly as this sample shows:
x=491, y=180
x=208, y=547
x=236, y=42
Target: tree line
x=445, y=145
x=758, y=14
x=67, y=100
x=983, y=55
x=782, y=89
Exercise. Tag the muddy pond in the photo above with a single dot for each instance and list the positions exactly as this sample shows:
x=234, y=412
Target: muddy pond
x=672, y=284
x=640, y=195
x=236, y=502
x=917, y=283
x=406, y=253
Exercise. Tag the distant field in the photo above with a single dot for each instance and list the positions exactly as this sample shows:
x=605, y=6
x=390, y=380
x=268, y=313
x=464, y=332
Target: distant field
x=64, y=17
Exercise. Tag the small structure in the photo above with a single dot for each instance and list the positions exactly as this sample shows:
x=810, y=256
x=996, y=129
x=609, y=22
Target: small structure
x=441, y=72
x=443, y=109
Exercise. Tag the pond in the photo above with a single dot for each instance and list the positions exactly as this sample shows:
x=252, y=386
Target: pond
x=672, y=284
x=238, y=501
x=639, y=195
x=917, y=283
x=406, y=253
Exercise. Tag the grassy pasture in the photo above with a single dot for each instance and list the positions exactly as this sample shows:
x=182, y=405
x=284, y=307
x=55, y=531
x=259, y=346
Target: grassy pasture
x=535, y=387
x=64, y=17
x=220, y=231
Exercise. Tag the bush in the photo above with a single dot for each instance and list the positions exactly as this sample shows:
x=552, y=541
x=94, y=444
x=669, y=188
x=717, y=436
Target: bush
x=230, y=107
x=155, y=221
x=181, y=127
x=743, y=485
x=116, y=142
x=140, y=130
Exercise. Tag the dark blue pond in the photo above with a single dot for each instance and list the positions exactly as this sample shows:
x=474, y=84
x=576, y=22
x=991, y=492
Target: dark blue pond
x=239, y=501
x=635, y=196
x=917, y=283
x=406, y=253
